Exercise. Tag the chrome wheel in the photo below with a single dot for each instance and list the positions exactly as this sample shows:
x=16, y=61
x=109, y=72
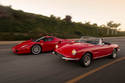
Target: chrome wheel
x=114, y=54
x=86, y=60
x=36, y=49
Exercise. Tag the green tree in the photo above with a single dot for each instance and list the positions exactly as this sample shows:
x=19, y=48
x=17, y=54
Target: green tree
x=68, y=18
x=113, y=26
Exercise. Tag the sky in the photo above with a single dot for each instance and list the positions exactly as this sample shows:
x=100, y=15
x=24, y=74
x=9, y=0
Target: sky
x=95, y=11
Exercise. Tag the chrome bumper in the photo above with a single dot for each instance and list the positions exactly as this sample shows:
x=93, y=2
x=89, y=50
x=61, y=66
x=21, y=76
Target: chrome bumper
x=65, y=58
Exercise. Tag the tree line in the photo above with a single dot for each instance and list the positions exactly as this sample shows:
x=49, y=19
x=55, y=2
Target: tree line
x=20, y=25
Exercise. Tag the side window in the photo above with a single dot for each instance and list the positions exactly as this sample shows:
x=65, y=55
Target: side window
x=45, y=39
x=50, y=39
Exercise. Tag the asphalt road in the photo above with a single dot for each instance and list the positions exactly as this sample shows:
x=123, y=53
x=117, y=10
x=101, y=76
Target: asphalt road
x=48, y=68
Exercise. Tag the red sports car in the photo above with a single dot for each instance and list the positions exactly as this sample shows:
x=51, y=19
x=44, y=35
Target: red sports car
x=43, y=44
x=86, y=49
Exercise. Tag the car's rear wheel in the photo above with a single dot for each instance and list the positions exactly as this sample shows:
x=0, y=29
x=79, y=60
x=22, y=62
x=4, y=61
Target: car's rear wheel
x=86, y=60
x=36, y=49
x=114, y=54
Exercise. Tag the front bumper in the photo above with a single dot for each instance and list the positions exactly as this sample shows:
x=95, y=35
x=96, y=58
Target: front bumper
x=20, y=51
x=63, y=57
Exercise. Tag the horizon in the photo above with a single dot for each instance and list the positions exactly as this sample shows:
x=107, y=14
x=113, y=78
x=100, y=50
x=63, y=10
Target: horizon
x=99, y=12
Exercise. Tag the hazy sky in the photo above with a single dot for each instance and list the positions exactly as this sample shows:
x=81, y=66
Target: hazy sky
x=95, y=11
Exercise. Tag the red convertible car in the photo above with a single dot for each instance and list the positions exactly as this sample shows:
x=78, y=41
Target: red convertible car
x=86, y=50
x=43, y=44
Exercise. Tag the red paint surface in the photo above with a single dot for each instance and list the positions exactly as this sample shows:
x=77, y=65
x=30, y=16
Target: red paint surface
x=45, y=45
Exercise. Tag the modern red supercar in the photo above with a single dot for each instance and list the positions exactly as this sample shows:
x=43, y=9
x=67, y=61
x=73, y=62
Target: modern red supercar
x=86, y=49
x=43, y=44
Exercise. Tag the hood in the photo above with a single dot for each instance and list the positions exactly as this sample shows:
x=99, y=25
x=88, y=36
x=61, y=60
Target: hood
x=67, y=48
x=28, y=42
x=75, y=45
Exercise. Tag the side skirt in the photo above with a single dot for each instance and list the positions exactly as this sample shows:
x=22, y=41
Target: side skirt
x=101, y=56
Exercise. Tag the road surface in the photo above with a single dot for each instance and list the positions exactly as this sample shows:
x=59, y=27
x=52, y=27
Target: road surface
x=48, y=68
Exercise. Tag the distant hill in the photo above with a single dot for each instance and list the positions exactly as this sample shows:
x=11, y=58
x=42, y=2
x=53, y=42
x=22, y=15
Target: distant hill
x=20, y=25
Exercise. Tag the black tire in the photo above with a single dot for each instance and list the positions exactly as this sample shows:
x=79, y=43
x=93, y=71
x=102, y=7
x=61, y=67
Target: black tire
x=36, y=49
x=114, y=54
x=86, y=60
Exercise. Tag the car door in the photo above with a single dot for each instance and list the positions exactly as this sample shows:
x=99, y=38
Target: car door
x=98, y=51
x=99, y=48
x=49, y=44
x=103, y=50
x=107, y=49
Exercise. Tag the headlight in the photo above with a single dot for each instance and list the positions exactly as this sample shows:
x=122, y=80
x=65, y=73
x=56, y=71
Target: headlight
x=74, y=52
x=57, y=46
x=24, y=46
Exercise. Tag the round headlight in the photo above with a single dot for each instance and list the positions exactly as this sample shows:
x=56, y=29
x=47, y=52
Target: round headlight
x=57, y=46
x=74, y=52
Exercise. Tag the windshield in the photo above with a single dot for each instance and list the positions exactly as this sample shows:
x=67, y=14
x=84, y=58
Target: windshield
x=91, y=40
x=37, y=40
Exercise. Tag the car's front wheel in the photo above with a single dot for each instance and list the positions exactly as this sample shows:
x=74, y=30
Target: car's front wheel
x=36, y=49
x=114, y=54
x=86, y=60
